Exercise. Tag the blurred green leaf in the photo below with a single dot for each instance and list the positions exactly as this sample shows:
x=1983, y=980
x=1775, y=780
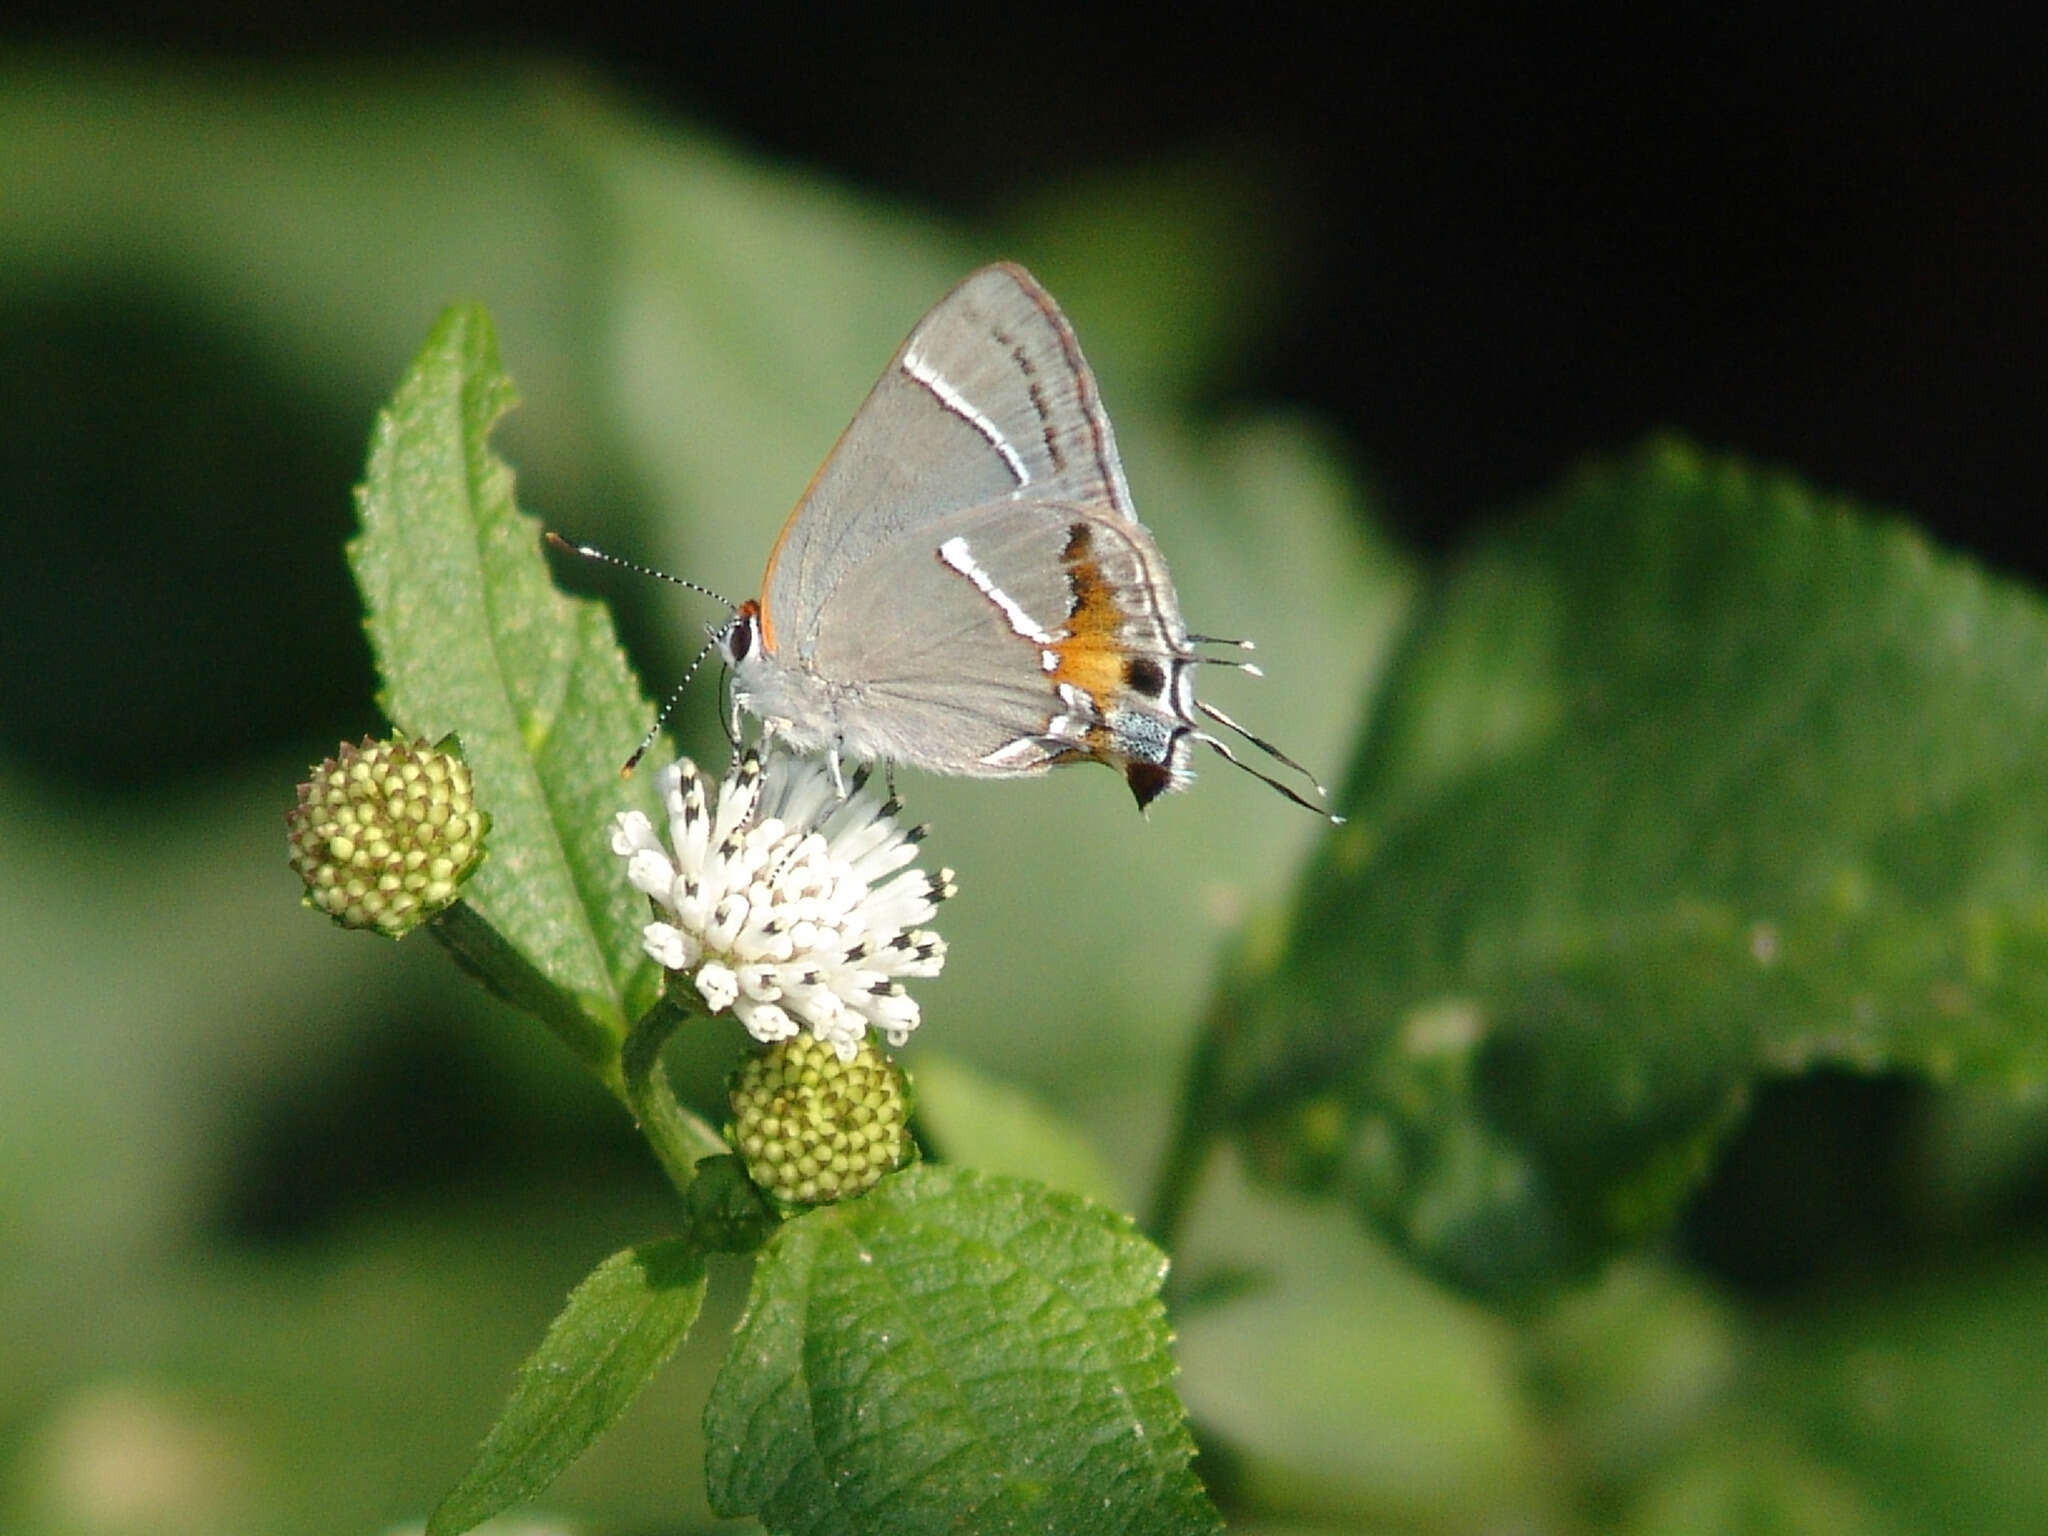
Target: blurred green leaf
x=1687, y=777
x=1928, y=1391
x=997, y=1127
x=1345, y=1386
x=1757, y=1484
x=471, y=638
x=1626, y=1372
x=618, y=1327
x=1184, y=263
x=337, y=1386
x=955, y=1351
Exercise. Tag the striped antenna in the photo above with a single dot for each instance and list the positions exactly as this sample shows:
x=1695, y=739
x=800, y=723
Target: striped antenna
x=668, y=705
x=589, y=552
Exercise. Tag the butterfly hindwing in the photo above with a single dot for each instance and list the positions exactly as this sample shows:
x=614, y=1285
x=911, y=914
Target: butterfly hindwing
x=1013, y=633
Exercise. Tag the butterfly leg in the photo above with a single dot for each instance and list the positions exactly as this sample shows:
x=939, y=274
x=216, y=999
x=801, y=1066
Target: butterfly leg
x=732, y=727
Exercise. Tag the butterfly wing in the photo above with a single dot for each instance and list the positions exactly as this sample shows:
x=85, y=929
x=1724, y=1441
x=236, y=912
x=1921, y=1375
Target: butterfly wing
x=1006, y=638
x=988, y=400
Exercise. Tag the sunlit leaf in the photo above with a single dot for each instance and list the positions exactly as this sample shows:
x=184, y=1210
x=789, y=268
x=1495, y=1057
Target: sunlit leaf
x=472, y=639
x=955, y=1352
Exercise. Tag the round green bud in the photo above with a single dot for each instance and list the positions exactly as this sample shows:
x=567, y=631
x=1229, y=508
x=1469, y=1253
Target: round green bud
x=385, y=833
x=812, y=1128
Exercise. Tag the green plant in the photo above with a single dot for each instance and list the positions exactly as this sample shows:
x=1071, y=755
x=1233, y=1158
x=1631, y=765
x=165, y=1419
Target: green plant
x=1680, y=783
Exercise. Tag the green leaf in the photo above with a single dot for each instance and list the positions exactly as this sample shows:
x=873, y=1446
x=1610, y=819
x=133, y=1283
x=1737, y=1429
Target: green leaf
x=994, y=1126
x=1687, y=778
x=955, y=1352
x=618, y=1327
x=1347, y=1388
x=472, y=638
x=1928, y=1390
x=726, y=1211
x=1909, y=1401
x=1760, y=1479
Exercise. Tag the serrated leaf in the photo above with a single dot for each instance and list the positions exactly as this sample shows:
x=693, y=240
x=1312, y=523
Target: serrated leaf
x=472, y=638
x=954, y=1352
x=618, y=1327
x=1688, y=778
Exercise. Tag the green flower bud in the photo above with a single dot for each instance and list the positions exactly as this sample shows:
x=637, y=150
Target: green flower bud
x=385, y=833
x=812, y=1128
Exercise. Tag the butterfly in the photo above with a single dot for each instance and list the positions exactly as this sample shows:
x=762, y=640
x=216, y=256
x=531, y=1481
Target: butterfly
x=965, y=587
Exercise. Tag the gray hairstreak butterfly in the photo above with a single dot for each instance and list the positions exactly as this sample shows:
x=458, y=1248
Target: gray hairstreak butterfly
x=965, y=586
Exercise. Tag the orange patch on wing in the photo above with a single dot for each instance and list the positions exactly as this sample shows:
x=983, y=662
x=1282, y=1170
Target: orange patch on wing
x=1092, y=655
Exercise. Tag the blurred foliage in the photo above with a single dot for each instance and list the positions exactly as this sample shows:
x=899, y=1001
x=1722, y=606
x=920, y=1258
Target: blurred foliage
x=1689, y=778
x=280, y=1211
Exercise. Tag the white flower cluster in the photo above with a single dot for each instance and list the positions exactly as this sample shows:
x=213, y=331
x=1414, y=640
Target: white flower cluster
x=788, y=905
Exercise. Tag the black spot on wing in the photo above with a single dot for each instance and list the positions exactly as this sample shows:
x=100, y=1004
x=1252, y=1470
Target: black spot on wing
x=1145, y=676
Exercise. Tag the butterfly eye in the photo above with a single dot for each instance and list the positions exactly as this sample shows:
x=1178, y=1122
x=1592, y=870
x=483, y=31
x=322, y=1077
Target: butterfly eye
x=739, y=637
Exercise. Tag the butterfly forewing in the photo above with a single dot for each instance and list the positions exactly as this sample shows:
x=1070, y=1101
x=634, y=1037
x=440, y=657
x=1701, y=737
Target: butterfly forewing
x=988, y=400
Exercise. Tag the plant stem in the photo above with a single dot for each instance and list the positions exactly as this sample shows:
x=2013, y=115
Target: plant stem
x=678, y=1137
x=1187, y=1152
x=482, y=951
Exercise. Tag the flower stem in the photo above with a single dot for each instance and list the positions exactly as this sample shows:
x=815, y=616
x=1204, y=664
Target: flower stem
x=678, y=1137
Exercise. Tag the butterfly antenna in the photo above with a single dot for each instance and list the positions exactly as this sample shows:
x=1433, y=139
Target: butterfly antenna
x=668, y=705
x=589, y=552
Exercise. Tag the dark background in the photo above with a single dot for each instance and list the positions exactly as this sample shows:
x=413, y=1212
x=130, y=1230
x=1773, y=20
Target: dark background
x=1520, y=238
